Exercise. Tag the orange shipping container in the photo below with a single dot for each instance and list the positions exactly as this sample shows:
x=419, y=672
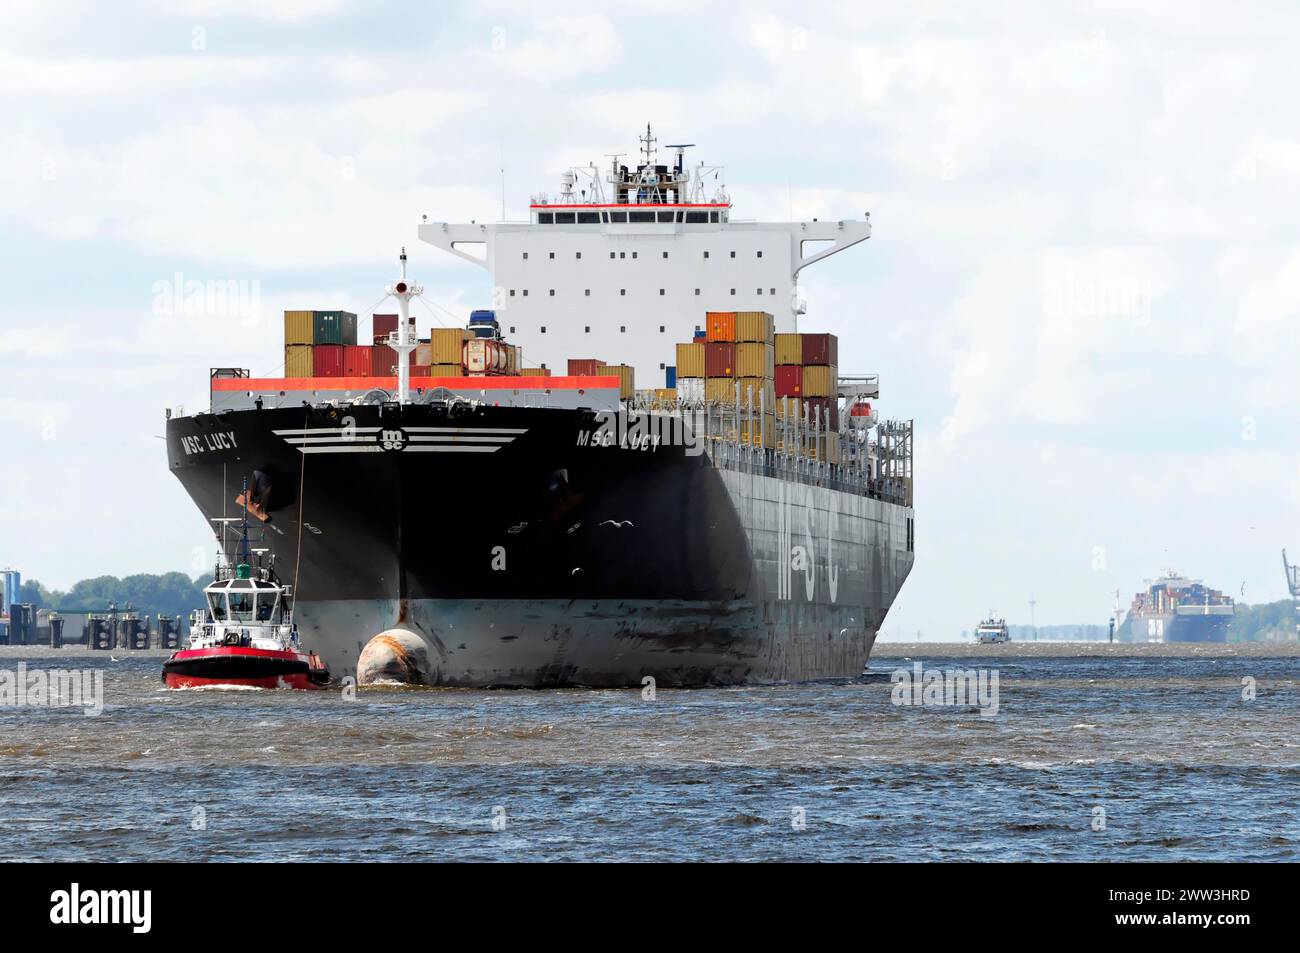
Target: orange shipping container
x=754, y=360
x=446, y=370
x=720, y=325
x=690, y=359
x=356, y=360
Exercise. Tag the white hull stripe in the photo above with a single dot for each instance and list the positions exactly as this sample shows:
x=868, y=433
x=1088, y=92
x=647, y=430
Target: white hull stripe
x=410, y=448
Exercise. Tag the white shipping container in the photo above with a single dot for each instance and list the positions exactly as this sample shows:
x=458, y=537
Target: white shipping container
x=690, y=388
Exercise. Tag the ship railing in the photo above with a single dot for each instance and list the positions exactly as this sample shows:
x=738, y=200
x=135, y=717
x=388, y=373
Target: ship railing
x=738, y=435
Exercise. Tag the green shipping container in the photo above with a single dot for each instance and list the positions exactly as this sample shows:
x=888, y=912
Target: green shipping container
x=334, y=327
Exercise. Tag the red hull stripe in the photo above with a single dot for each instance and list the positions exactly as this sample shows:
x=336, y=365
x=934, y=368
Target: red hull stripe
x=300, y=682
x=240, y=650
x=417, y=383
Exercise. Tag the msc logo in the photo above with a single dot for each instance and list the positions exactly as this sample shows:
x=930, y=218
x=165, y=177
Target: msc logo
x=392, y=439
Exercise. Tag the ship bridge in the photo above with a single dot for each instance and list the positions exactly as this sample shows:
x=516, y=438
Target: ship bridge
x=625, y=260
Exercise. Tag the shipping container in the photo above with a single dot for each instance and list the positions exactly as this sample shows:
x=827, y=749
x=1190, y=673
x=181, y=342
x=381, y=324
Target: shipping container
x=789, y=380
x=666, y=394
x=334, y=327
x=827, y=407
x=535, y=372
x=485, y=356
x=789, y=348
x=721, y=389
x=327, y=360
x=754, y=360
x=820, y=381
x=761, y=390
x=690, y=389
x=720, y=326
x=821, y=349
x=446, y=370
x=690, y=359
x=382, y=324
x=356, y=360
x=823, y=447
x=754, y=327
x=790, y=408
x=298, y=361
x=755, y=430
x=625, y=375
x=383, y=361
x=583, y=366
x=446, y=344
x=670, y=377
x=421, y=371
x=719, y=359
x=298, y=327
x=422, y=355
x=514, y=358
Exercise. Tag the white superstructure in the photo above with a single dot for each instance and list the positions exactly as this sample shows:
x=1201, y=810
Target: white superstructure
x=624, y=263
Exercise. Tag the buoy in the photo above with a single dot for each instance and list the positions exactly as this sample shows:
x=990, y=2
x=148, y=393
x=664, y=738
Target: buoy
x=394, y=656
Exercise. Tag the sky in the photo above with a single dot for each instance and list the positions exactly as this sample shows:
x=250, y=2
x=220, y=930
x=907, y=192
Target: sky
x=1083, y=283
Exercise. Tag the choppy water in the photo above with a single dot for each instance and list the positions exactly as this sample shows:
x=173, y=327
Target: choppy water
x=1183, y=767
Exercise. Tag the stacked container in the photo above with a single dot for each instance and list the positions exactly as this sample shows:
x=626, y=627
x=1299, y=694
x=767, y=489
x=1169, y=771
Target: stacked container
x=624, y=373
x=306, y=331
x=380, y=327
x=446, y=344
x=298, y=360
x=356, y=360
x=535, y=372
x=583, y=366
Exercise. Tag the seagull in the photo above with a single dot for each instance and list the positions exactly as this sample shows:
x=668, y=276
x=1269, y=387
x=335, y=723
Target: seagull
x=617, y=524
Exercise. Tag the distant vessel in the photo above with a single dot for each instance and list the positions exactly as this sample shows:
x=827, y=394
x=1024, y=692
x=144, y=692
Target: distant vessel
x=1175, y=608
x=992, y=631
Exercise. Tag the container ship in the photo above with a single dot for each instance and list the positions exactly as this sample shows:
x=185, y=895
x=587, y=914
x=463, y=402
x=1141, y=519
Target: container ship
x=1174, y=608
x=500, y=504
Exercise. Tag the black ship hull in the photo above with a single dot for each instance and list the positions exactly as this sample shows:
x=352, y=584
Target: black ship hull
x=524, y=551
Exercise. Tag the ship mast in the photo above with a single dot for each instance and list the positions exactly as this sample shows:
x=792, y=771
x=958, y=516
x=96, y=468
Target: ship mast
x=403, y=340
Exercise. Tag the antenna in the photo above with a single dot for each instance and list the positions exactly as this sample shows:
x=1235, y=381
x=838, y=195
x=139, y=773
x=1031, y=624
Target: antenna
x=681, y=148
x=647, y=145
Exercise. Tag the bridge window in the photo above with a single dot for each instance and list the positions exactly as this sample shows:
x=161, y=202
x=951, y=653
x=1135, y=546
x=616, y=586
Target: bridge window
x=697, y=218
x=588, y=218
x=563, y=218
x=545, y=218
x=640, y=217
x=667, y=216
x=618, y=217
x=552, y=254
x=713, y=216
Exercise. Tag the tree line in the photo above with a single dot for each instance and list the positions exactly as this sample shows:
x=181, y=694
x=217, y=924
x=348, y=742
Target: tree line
x=171, y=593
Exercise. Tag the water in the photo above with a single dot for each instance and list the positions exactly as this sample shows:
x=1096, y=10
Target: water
x=1183, y=767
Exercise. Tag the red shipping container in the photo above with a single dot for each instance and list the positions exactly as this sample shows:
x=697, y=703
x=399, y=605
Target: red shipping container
x=383, y=323
x=383, y=361
x=356, y=360
x=421, y=370
x=789, y=380
x=830, y=412
x=583, y=366
x=821, y=349
x=719, y=359
x=327, y=360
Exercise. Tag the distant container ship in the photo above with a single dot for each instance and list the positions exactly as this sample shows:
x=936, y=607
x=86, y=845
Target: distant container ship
x=1174, y=608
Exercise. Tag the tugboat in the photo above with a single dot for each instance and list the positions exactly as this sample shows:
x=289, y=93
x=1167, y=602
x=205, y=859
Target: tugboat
x=992, y=631
x=245, y=636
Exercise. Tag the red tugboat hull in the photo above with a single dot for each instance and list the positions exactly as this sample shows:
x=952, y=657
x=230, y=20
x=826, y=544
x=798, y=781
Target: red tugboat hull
x=243, y=666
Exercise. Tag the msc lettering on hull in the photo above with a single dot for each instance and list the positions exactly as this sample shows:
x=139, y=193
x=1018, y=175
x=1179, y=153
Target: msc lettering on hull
x=202, y=443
